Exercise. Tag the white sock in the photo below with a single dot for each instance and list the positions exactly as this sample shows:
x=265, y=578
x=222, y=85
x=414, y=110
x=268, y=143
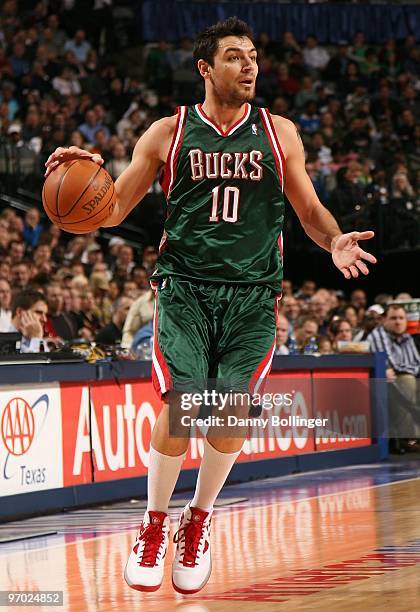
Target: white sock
x=161, y=479
x=214, y=469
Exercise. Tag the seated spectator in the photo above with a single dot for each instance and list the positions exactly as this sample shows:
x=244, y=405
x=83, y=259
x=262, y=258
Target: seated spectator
x=33, y=228
x=79, y=45
x=140, y=313
x=29, y=314
x=16, y=251
x=306, y=291
x=358, y=299
x=67, y=83
x=119, y=161
x=21, y=275
x=325, y=346
x=5, y=303
x=403, y=369
x=306, y=330
x=287, y=287
x=112, y=333
x=142, y=344
x=140, y=277
x=371, y=319
x=315, y=57
x=339, y=331
x=91, y=125
x=351, y=315
x=282, y=333
x=403, y=360
x=150, y=255
x=59, y=324
x=90, y=316
x=291, y=310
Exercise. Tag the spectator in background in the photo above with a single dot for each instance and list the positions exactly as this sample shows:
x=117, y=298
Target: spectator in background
x=287, y=287
x=150, y=255
x=306, y=329
x=112, y=333
x=29, y=314
x=282, y=333
x=124, y=262
x=79, y=46
x=119, y=160
x=403, y=360
x=358, y=299
x=306, y=291
x=21, y=275
x=59, y=324
x=90, y=315
x=91, y=125
x=67, y=83
x=339, y=331
x=319, y=308
x=315, y=57
x=16, y=251
x=291, y=310
x=325, y=346
x=33, y=228
x=403, y=369
x=140, y=277
x=350, y=314
x=140, y=313
x=371, y=319
x=5, y=305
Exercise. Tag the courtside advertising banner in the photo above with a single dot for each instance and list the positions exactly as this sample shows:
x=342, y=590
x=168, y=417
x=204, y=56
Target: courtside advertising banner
x=343, y=399
x=107, y=429
x=30, y=439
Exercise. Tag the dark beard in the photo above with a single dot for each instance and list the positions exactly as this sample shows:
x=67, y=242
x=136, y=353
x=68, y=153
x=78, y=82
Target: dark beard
x=233, y=99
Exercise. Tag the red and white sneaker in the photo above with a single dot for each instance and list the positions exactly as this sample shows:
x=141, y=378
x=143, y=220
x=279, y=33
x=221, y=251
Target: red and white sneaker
x=191, y=567
x=144, y=569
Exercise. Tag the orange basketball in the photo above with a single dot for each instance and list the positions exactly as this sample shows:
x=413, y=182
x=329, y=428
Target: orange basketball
x=78, y=196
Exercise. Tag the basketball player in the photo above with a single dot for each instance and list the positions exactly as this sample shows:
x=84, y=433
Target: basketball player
x=226, y=166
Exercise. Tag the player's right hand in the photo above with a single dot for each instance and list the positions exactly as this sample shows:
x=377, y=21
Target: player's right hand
x=62, y=154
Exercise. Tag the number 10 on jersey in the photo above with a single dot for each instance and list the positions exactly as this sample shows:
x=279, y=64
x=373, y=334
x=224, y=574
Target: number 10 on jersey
x=230, y=204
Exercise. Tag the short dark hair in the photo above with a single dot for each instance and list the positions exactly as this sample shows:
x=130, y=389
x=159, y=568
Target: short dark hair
x=26, y=299
x=393, y=306
x=207, y=42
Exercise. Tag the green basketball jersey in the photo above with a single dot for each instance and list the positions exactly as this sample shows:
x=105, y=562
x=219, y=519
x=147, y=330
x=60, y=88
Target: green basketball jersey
x=225, y=201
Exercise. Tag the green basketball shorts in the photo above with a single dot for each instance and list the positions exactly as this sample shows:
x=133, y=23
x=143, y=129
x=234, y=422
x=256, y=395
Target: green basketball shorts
x=215, y=331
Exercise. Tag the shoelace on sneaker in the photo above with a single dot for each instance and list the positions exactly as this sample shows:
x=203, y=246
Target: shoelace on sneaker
x=152, y=536
x=189, y=536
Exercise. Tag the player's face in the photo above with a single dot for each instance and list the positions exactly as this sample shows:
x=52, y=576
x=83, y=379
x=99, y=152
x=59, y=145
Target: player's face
x=235, y=70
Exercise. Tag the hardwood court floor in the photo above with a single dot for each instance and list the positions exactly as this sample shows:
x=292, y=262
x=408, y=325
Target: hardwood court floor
x=342, y=540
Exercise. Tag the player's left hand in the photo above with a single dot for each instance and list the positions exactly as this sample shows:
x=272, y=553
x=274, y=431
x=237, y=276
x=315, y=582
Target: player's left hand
x=348, y=256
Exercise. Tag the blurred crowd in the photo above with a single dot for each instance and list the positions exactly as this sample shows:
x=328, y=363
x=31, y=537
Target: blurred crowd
x=98, y=289
x=356, y=104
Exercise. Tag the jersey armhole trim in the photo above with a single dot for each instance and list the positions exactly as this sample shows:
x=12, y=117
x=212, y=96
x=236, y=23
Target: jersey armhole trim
x=169, y=171
x=275, y=145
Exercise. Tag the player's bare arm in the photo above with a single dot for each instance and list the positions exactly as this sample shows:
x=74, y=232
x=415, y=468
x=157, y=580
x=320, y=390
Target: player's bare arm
x=316, y=220
x=149, y=156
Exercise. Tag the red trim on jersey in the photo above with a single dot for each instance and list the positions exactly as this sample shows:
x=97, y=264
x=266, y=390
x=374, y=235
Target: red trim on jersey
x=232, y=127
x=277, y=161
x=256, y=378
x=160, y=369
x=283, y=159
x=169, y=171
